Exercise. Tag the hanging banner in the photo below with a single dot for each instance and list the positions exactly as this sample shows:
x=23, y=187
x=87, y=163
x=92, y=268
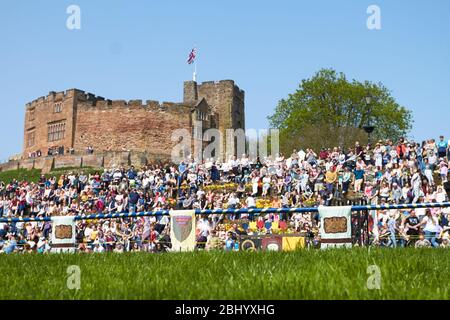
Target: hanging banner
x=335, y=227
x=182, y=230
x=249, y=243
x=63, y=234
x=292, y=243
x=271, y=243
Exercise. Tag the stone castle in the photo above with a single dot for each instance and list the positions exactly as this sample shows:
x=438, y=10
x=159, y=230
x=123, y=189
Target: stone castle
x=69, y=122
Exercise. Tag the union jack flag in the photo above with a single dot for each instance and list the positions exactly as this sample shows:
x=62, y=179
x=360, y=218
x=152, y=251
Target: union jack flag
x=192, y=56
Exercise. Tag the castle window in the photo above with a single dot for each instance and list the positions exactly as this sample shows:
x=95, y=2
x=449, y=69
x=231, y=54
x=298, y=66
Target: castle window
x=56, y=131
x=202, y=115
x=31, y=115
x=31, y=139
x=57, y=107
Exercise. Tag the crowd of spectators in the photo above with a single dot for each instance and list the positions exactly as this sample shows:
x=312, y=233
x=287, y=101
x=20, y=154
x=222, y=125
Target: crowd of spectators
x=386, y=172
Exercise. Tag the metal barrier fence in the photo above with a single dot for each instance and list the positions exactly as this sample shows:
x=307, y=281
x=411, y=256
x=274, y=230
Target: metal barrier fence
x=255, y=211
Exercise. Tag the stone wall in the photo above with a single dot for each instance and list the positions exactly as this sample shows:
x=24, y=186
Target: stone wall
x=26, y=164
x=11, y=165
x=130, y=126
x=92, y=160
x=116, y=159
x=101, y=160
x=39, y=163
x=68, y=161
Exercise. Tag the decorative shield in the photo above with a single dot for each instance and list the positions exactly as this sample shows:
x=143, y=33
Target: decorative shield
x=182, y=227
x=63, y=231
x=250, y=243
x=335, y=225
x=272, y=243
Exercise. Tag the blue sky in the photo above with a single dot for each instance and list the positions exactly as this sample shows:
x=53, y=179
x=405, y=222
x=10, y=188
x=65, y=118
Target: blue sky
x=138, y=50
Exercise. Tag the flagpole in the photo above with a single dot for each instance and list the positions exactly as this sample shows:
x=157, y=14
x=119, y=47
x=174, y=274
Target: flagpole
x=195, y=64
x=194, y=76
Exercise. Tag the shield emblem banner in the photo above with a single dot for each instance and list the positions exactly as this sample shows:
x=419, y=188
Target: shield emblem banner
x=335, y=227
x=182, y=227
x=63, y=234
x=182, y=230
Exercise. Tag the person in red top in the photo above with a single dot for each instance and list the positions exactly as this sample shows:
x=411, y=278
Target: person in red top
x=110, y=241
x=22, y=203
x=100, y=206
x=323, y=154
x=401, y=149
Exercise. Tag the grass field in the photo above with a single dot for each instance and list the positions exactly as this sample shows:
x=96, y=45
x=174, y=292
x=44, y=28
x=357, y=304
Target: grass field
x=316, y=274
x=33, y=175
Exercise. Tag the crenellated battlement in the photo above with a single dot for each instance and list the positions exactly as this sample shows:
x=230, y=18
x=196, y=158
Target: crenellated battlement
x=55, y=96
x=150, y=105
x=89, y=100
x=83, y=96
x=223, y=83
x=94, y=100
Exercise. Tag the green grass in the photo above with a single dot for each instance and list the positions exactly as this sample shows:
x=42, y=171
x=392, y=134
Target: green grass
x=20, y=174
x=315, y=274
x=33, y=175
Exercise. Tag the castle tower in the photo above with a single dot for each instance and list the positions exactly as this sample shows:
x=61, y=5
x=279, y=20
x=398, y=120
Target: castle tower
x=190, y=93
x=50, y=123
x=227, y=101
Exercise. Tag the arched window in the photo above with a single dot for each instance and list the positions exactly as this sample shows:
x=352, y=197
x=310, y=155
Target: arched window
x=57, y=107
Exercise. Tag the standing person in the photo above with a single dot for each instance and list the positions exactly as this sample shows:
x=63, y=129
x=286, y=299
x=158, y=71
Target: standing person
x=428, y=172
x=416, y=182
x=346, y=180
x=233, y=204
x=359, y=150
x=432, y=160
x=368, y=155
x=133, y=198
x=442, y=147
x=392, y=227
x=378, y=156
x=359, y=179
x=330, y=179
x=401, y=149
x=432, y=228
x=251, y=204
x=82, y=181
x=412, y=223
x=443, y=171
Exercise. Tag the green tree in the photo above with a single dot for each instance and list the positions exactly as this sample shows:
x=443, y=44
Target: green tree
x=328, y=110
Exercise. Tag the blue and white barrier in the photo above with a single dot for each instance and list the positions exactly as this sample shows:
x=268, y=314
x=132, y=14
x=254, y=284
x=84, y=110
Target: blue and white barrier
x=232, y=211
